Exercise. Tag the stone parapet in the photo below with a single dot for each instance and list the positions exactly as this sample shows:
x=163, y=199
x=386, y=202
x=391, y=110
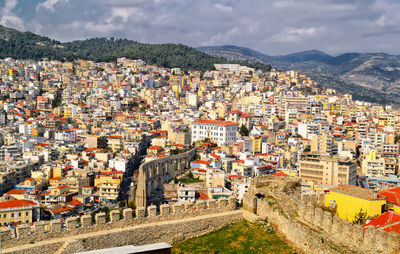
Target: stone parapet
x=78, y=225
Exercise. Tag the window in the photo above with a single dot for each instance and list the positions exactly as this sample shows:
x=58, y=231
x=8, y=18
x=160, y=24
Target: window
x=27, y=221
x=27, y=213
x=19, y=214
x=12, y=215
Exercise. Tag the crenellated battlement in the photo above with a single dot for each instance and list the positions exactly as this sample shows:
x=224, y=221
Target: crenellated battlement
x=45, y=230
x=342, y=230
x=309, y=227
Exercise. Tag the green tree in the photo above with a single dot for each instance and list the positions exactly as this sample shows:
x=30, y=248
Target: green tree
x=360, y=217
x=244, y=131
x=121, y=204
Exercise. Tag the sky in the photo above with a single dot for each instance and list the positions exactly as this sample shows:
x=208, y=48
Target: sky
x=271, y=27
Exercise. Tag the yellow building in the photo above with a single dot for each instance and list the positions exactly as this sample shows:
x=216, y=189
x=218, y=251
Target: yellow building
x=106, y=177
x=68, y=111
x=19, y=211
x=239, y=167
x=60, y=190
x=109, y=191
x=115, y=143
x=349, y=200
x=256, y=144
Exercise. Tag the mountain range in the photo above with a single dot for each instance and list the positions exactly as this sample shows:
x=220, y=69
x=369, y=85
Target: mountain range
x=23, y=45
x=372, y=77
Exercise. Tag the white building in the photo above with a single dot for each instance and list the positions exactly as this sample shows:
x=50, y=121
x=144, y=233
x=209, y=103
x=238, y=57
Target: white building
x=192, y=99
x=186, y=193
x=221, y=132
x=120, y=164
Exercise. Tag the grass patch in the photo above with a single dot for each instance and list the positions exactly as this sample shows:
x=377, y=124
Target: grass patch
x=240, y=237
x=190, y=180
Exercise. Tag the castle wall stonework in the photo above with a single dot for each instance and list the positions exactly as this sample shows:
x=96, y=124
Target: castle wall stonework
x=169, y=226
x=300, y=220
x=307, y=227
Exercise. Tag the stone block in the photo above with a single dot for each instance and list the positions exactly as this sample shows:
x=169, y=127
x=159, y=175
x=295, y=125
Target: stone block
x=301, y=210
x=23, y=230
x=337, y=225
x=201, y=205
x=309, y=213
x=115, y=215
x=212, y=204
x=70, y=223
x=223, y=203
x=165, y=210
x=347, y=229
x=177, y=208
x=321, y=199
x=381, y=241
x=55, y=225
x=40, y=227
x=5, y=234
x=100, y=218
x=357, y=235
x=140, y=212
x=249, y=203
x=152, y=211
x=393, y=242
x=128, y=214
x=232, y=203
x=318, y=216
x=305, y=197
x=370, y=237
x=327, y=221
x=86, y=221
x=189, y=207
x=313, y=199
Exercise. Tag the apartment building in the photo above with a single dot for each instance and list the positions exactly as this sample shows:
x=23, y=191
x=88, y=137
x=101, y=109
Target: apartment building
x=221, y=132
x=325, y=169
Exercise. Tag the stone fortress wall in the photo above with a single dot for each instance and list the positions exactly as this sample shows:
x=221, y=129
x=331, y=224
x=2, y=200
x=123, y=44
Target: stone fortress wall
x=153, y=174
x=307, y=227
x=169, y=224
x=297, y=218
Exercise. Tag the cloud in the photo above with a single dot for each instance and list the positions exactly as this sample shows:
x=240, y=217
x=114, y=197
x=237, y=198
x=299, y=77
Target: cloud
x=9, y=18
x=223, y=7
x=272, y=27
x=48, y=4
x=296, y=34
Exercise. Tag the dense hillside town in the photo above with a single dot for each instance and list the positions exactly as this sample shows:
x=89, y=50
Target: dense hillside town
x=73, y=135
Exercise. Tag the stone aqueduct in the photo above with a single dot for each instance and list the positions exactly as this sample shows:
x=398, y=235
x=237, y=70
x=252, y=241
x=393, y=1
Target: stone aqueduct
x=153, y=174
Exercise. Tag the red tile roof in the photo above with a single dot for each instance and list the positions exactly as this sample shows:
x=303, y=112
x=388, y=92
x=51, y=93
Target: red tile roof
x=202, y=196
x=60, y=209
x=215, y=156
x=280, y=174
x=16, y=192
x=215, y=122
x=391, y=195
x=388, y=221
x=74, y=203
x=16, y=203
